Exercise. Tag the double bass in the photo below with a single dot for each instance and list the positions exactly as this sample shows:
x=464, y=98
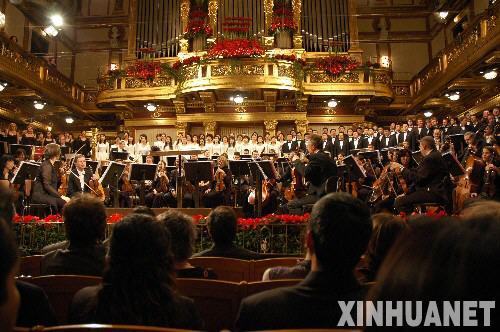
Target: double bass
x=469, y=183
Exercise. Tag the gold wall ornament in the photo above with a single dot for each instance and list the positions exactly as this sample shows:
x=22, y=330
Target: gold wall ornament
x=209, y=108
x=181, y=127
x=330, y=111
x=94, y=140
x=297, y=41
x=297, y=11
x=268, y=11
x=184, y=45
x=180, y=106
x=302, y=104
x=271, y=126
x=240, y=109
x=301, y=126
x=268, y=42
x=185, y=7
x=155, y=115
x=213, y=6
x=209, y=127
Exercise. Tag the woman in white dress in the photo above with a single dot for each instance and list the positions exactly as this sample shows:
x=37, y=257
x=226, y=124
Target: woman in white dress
x=142, y=149
x=238, y=143
x=225, y=144
x=253, y=142
x=260, y=146
x=216, y=147
x=231, y=148
x=160, y=143
x=102, y=148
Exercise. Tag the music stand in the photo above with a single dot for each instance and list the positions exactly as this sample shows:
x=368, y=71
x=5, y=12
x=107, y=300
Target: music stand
x=171, y=160
x=261, y=170
x=142, y=173
x=4, y=148
x=342, y=173
x=458, y=142
x=119, y=155
x=93, y=165
x=202, y=159
x=238, y=169
x=246, y=156
x=28, y=149
x=354, y=152
x=417, y=157
x=196, y=172
x=65, y=150
x=453, y=164
x=111, y=176
x=353, y=168
x=26, y=171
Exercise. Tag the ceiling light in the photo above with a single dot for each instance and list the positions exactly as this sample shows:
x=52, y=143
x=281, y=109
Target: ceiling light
x=443, y=15
x=490, y=75
x=454, y=96
x=3, y=85
x=385, y=61
x=237, y=99
x=427, y=114
x=39, y=105
x=69, y=120
x=49, y=128
x=151, y=107
x=2, y=20
x=333, y=103
x=57, y=20
x=51, y=31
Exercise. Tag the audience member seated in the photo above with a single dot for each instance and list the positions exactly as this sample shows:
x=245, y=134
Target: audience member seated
x=144, y=210
x=222, y=226
x=444, y=260
x=7, y=210
x=35, y=308
x=139, y=282
x=338, y=233
x=183, y=234
x=85, y=222
x=9, y=295
x=299, y=271
x=386, y=230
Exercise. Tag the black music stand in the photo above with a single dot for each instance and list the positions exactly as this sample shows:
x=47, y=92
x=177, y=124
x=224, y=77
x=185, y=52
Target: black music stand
x=238, y=169
x=110, y=178
x=28, y=149
x=142, y=173
x=342, y=174
x=64, y=151
x=453, y=164
x=171, y=160
x=246, y=156
x=261, y=170
x=4, y=148
x=115, y=155
x=26, y=171
x=458, y=141
x=417, y=157
x=197, y=171
x=353, y=168
x=93, y=165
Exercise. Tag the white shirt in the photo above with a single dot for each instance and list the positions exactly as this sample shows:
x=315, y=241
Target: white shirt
x=81, y=176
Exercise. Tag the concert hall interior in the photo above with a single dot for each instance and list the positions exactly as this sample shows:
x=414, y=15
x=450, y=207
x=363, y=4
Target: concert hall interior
x=254, y=119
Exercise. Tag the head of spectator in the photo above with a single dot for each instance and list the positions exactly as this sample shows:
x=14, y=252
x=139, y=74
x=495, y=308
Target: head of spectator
x=144, y=210
x=84, y=219
x=9, y=295
x=182, y=232
x=222, y=225
x=338, y=233
x=7, y=209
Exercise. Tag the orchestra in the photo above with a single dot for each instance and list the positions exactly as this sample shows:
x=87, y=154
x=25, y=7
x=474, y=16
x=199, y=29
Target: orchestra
x=393, y=168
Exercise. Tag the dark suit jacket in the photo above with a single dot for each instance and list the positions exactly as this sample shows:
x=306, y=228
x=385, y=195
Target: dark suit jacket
x=317, y=171
x=310, y=304
x=35, y=308
x=384, y=143
x=415, y=137
x=352, y=146
x=228, y=252
x=74, y=186
x=299, y=145
x=328, y=147
x=285, y=148
x=375, y=142
x=401, y=138
x=431, y=174
x=82, y=261
x=344, y=150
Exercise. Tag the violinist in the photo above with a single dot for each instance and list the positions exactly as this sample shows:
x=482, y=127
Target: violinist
x=220, y=191
x=7, y=167
x=45, y=185
x=160, y=186
x=490, y=174
x=474, y=146
x=78, y=178
x=126, y=189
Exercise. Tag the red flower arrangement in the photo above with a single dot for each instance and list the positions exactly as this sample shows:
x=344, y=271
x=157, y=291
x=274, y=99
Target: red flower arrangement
x=282, y=18
x=235, y=48
x=197, y=26
x=114, y=218
x=336, y=65
x=146, y=70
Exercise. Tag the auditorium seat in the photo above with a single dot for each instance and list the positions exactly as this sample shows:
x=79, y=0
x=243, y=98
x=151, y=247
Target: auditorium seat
x=217, y=301
x=60, y=290
x=229, y=269
x=30, y=266
x=261, y=265
x=97, y=328
x=261, y=286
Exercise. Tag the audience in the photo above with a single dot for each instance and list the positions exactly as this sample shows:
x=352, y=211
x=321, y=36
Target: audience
x=183, y=233
x=9, y=295
x=299, y=271
x=222, y=226
x=85, y=222
x=139, y=282
x=339, y=230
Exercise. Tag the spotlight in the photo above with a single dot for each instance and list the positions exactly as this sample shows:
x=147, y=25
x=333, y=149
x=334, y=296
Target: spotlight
x=51, y=31
x=2, y=20
x=454, y=96
x=39, y=105
x=333, y=103
x=69, y=120
x=385, y=61
x=151, y=107
x=237, y=99
x=49, y=128
x=3, y=85
x=427, y=114
x=490, y=75
x=57, y=20
x=443, y=15
x=114, y=66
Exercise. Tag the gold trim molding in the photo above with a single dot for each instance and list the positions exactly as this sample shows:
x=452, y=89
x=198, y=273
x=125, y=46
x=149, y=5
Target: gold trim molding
x=241, y=117
x=150, y=122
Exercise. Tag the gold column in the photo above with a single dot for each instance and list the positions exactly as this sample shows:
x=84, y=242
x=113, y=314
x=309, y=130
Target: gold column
x=181, y=127
x=271, y=126
x=132, y=29
x=95, y=135
x=213, y=6
x=268, y=11
x=354, y=50
x=302, y=104
x=297, y=11
x=301, y=126
x=209, y=127
x=185, y=7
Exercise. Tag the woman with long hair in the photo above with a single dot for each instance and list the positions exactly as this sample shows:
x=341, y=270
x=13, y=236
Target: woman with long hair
x=12, y=134
x=168, y=143
x=102, y=148
x=29, y=137
x=49, y=138
x=138, y=286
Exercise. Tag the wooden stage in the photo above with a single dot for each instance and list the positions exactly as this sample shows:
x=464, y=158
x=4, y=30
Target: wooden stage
x=188, y=211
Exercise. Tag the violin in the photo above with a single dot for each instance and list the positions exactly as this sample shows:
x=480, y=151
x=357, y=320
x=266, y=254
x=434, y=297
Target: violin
x=126, y=185
x=96, y=188
x=64, y=174
x=219, y=178
x=297, y=187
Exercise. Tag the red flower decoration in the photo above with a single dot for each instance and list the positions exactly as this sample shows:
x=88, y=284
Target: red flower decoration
x=146, y=70
x=235, y=48
x=114, y=218
x=336, y=65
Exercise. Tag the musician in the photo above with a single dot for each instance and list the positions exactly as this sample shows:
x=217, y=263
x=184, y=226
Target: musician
x=370, y=140
x=45, y=185
x=490, y=179
x=341, y=146
x=431, y=178
x=356, y=142
x=156, y=197
x=287, y=146
x=417, y=133
x=78, y=179
x=319, y=168
x=215, y=196
x=474, y=146
x=327, y=145
x=436, y=134
x=7, y=166
x=404, y=135
x=83, y=143
x=387, y=140
x=299, y=144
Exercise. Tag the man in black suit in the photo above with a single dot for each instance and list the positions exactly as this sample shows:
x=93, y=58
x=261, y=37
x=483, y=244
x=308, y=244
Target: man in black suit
x=404, y=135
x=370, y=140
x=417, y=133
x=432, y=184
x=287, y=146
x=222, y=225
x=299, y=144
x=341, y=146
x=319, y=168
x=356, y=143
x=78, y=179
x=338, y=233
x=387, y=140
x=327, y=145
